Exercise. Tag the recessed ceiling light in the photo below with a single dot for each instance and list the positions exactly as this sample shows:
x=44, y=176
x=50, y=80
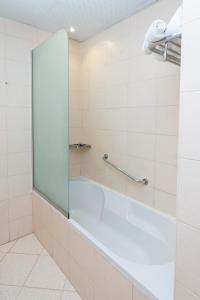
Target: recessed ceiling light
x=72, y=29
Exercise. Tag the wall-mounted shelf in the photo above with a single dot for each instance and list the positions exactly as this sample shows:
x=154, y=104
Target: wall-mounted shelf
x=80, y=146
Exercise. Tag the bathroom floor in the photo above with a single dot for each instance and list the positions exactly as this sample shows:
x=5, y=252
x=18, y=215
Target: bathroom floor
x=27, y=272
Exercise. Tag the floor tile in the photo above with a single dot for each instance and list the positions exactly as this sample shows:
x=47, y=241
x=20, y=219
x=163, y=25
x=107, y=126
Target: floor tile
x=9, y=292
x=14, y=268
x=6, y=247
x=46, y=274
x=70, y=296
x=39, y=294
x=68, y=286
x=27, y=245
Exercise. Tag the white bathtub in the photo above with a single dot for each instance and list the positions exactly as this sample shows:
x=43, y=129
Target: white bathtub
x=138, y=239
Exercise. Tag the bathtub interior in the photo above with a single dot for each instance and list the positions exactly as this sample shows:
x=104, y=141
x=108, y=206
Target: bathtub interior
x=127, y=228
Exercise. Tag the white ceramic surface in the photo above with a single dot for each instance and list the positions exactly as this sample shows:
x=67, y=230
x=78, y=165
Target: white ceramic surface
x=138, y=239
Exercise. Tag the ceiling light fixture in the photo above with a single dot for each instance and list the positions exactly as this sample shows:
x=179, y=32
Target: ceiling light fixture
x=72, y=29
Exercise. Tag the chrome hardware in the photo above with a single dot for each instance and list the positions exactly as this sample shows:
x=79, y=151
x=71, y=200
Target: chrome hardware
x=144, y=180
x=80, y=146
x=169, y=48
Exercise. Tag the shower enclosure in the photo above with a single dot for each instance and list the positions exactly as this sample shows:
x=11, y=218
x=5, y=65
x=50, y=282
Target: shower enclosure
x=50, y=120
x=123, y=158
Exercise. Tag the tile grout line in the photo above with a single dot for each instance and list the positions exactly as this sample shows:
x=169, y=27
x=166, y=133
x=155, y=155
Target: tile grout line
x=39, y=255
x=28, y=275
x=8, y=252
x=39, y=288
x=61, y=291
x=14, y=242
x=20, y=289
x=24, y=286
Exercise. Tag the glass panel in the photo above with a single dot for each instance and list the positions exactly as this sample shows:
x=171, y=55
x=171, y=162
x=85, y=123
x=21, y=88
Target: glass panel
x=50, y=119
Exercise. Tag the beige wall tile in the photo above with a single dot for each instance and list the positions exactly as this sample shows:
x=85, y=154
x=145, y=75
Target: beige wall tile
x=167, y=120
x=75, y=156
x=43, y=236
x=141, y=119
x=20, y=227
x=61, y=257
x=190, y=71
x=60, y=229
x=141, y=193
x=3, y=188
x=80, y=281
x=142, y=93
x=139, y=295
x=168, y=90
x=140, y=110
x=166, y=176
x=15, y=167
x=166, y=149
x=20, y=206
x=75, y=170
x=82, y=252
x=189, y=192
x=45, y=211
x=189, y=125
x=187, y=267
x=4, y=211
x=75, y=118
x=187, y=264
x=181, y=293
x=109, y=282
x=141, y=145
x=75, y=106
x=4, y=233
x=43, y=222
x=165, y=202
x=142, y=168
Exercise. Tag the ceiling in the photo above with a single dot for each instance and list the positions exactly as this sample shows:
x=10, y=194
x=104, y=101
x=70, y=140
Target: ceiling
x=88, y=17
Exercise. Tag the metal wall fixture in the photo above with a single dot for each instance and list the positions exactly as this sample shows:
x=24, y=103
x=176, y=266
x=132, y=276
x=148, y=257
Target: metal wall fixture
x=143, y=181
x=169, y=48
x=80, y=146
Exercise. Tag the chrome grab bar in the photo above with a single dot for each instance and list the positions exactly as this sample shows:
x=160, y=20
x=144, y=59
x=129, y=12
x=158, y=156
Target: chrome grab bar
x=144, y=180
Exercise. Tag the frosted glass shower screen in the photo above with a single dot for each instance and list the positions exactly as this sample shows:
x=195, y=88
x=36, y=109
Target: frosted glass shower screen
x=50, y=119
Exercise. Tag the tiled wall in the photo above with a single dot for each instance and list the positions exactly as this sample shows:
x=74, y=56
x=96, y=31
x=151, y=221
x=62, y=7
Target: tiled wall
x=130, y=110
x=75, y=113
x=91, y=273
x=16, y=41
x=188, y=208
